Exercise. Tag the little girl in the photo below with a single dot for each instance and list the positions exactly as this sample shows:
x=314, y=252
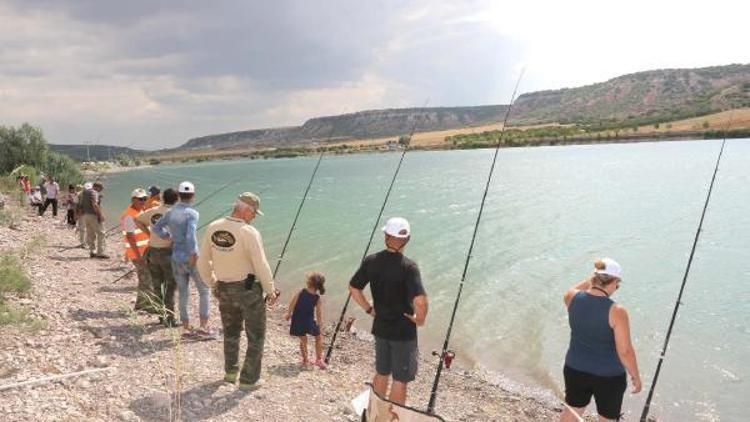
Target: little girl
x=300, y=312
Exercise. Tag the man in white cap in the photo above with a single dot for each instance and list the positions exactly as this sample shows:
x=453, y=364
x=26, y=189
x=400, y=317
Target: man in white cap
x=180, y=224
x=399, y=307
x=136, y=244
x=233, y=262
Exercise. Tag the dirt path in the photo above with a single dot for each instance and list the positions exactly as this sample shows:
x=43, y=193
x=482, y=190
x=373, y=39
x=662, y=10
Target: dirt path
x=88, y=323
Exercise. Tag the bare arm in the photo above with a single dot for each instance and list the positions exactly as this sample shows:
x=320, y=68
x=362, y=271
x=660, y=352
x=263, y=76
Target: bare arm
x=620, y=323
x=420, y=310
x=292, y=305
x=568, y=295
x=360, y=298
x=319, y=311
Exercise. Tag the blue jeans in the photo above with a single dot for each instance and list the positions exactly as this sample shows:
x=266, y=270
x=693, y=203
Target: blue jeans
x=182, y=274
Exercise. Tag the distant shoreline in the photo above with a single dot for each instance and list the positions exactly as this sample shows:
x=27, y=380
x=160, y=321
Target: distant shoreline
x=379, y=146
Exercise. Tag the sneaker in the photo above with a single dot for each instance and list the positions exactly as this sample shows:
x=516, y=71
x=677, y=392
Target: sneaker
x=231, y=377
x=206, y=334
x=251, y=387
x=321, y=364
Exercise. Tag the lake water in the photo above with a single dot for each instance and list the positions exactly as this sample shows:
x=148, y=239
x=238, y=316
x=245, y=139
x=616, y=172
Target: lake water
x=550, y=212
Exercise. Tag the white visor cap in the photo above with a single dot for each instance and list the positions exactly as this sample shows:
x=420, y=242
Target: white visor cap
x=611, y=268
x=186, y=187
x=397, y=227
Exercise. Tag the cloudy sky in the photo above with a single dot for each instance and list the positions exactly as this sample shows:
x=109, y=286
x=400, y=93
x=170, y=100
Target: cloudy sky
x=153, y=74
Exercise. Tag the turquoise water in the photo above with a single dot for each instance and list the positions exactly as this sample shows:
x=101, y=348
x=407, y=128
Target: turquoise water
x=550, y=212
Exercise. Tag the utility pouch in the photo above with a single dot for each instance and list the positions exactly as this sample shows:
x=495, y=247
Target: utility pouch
x=249, y=281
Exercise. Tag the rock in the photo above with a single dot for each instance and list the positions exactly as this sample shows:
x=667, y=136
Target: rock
x=129, y=416
x=99, y=361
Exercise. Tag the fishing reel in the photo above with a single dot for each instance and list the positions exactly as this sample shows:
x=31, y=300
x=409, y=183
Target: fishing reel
x=447, y=357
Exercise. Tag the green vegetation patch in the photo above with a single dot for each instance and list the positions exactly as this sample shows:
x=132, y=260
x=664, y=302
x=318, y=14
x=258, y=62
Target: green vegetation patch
x=13, y=279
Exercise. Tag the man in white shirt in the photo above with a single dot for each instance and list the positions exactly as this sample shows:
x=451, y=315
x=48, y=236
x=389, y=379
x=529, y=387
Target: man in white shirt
x=52, y=191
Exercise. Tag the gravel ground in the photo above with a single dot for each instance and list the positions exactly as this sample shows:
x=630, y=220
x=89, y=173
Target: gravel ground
x=152, y=376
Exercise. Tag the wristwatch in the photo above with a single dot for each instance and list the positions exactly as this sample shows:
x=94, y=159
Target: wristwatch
x=369, y=310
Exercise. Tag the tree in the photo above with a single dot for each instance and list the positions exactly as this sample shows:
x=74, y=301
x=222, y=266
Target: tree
x=705, y=124
x=26, y=146
x=404, y=140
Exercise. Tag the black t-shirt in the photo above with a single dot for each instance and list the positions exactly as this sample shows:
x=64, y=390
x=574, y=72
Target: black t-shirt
x=394, y=283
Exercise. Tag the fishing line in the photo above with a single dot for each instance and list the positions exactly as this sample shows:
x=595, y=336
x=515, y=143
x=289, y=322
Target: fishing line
x=372, y=234
x=662, y=355
x=446, y=356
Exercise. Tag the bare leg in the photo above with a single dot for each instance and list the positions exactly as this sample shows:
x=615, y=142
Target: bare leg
x=303, y=348
x=398, y=392
x=204, y=323
x=603, y=419
x=318, y=348
x=572, y=414
x=380, y=384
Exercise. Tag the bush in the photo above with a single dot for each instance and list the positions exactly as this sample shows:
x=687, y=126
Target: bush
x=13, y=278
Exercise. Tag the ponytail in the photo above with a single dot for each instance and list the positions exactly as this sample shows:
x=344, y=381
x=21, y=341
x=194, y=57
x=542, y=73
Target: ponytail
x=318, y=281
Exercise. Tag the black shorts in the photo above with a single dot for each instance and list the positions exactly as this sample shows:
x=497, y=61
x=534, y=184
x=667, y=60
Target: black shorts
x=607, y=391
x=397, y=358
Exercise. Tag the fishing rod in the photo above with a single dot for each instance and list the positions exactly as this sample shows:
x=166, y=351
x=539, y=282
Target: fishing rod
x=662, y=354
x=113, y=230
x=211, y=220
x=299, y=209
x=372, y=234
x=446, y=356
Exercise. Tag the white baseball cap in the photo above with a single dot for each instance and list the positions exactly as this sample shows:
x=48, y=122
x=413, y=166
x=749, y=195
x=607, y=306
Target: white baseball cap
x=186, y=187
x=397, y=227
x=138, y=193
x=611, y=268
x=88, y=185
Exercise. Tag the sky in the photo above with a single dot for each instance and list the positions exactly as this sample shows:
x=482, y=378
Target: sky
x=151, y=75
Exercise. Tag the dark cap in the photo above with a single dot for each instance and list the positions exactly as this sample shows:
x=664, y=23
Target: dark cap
x=154, y=190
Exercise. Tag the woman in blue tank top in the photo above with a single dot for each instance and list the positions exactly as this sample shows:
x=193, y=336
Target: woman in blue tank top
x=600, y=350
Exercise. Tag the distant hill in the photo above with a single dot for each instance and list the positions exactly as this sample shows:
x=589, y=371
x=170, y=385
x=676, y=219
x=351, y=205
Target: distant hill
x=93, y=152
x=640, y=98
x=636, y=99
x=363, y=124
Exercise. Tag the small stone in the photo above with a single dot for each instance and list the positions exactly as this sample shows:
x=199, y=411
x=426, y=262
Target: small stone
x=129, y=416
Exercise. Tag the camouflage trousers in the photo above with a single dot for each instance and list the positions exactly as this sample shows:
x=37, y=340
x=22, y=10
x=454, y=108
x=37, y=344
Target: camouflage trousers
x=145, y=290
x=162, y=279
x=237, y=306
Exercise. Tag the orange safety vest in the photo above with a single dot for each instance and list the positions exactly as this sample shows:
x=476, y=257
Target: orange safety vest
x=141, y=238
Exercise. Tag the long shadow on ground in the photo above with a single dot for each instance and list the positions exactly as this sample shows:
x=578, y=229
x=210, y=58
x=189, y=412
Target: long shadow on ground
x=199, y=403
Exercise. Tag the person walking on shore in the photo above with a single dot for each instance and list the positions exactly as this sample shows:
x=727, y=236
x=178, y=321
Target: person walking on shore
x=93, y=220
x=136, y=245
x=159, y=258
x=399, y=307
x=180, y=224
x=69, y=202
x=53, y=189
x=304, y=309
x=600, y=349
x=80, y=226
x=233, y=261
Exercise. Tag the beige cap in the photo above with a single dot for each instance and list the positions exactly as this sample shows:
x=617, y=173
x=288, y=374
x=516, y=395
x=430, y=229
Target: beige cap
x=251, y=199
x=138, y=193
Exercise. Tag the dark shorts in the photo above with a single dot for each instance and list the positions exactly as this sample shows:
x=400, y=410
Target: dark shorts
x=607, y=391
x=396, y=358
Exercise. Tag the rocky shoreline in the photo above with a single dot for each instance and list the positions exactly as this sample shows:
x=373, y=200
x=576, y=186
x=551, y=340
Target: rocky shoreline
x=84, y=322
